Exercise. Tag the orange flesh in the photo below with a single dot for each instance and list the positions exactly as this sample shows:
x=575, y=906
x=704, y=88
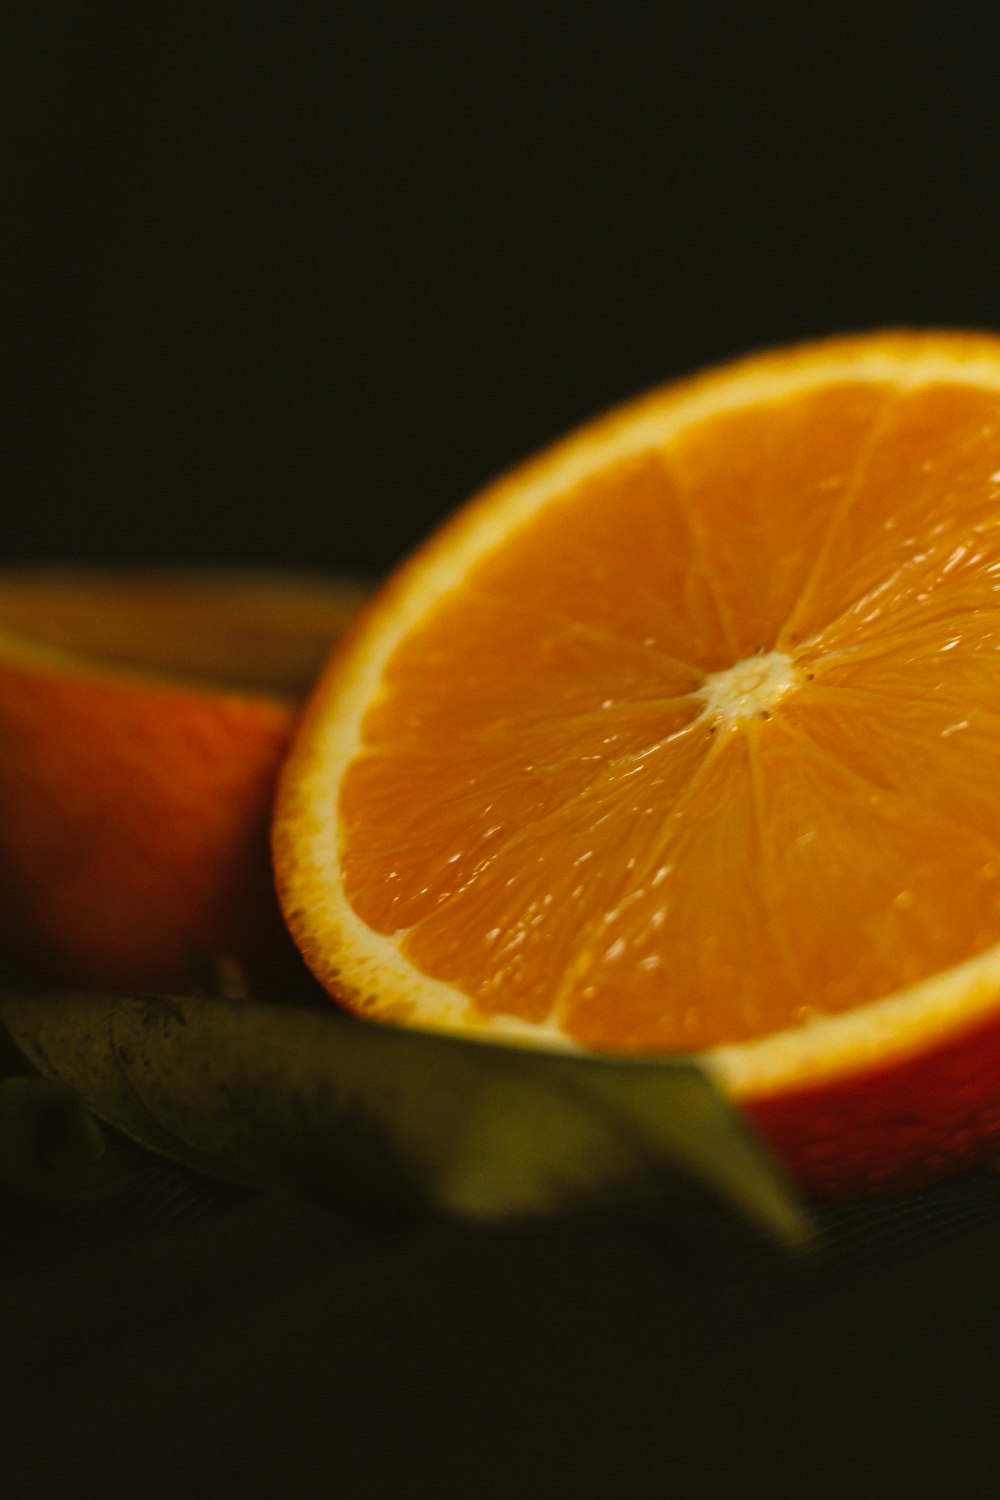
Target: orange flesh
x=568, y=814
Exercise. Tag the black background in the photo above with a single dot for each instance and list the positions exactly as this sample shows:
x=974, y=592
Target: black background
x=290, y=280
x=285, y=283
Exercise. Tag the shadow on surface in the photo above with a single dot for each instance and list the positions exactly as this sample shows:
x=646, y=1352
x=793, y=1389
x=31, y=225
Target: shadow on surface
x=264, y=1346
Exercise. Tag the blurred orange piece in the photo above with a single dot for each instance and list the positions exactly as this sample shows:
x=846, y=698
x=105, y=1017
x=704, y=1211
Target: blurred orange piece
x=143, y=718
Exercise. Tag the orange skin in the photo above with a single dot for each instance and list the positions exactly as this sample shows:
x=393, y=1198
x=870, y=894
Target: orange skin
x=133, y=828
x=895, y=1127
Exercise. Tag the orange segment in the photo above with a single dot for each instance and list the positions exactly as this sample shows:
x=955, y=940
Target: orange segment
x=502, y=936
x=919, y=517
x=657, y=555
x=790, y=463
x=684, y=736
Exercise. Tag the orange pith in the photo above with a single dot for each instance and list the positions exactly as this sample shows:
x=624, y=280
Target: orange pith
x=684, y=738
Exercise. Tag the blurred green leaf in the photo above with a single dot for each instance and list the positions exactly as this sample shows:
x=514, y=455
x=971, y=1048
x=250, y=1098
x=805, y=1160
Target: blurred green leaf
x=397, y=1121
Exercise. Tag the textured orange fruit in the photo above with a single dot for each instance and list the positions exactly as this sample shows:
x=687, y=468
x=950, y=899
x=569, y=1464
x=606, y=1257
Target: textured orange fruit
x=684, y=737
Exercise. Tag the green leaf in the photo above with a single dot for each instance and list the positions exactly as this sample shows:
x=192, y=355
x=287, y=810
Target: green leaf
x=396, y=1121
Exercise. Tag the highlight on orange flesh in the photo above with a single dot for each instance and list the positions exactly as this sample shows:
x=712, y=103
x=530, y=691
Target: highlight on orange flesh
x=143, y=719
x=685, y=738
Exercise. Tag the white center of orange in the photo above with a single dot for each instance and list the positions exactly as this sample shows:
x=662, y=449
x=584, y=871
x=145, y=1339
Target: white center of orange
x=750, y=688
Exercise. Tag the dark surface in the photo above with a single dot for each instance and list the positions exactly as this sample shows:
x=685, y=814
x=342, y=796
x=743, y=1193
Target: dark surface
x=169, y=1337
x=287, y=282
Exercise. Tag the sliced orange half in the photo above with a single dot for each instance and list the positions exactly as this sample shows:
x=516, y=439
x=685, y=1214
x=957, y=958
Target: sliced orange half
x=685, y=738
x=143, y=719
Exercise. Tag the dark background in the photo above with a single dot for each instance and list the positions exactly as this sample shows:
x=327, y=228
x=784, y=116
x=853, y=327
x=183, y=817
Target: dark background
x=285, y=283
x=290, y=280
